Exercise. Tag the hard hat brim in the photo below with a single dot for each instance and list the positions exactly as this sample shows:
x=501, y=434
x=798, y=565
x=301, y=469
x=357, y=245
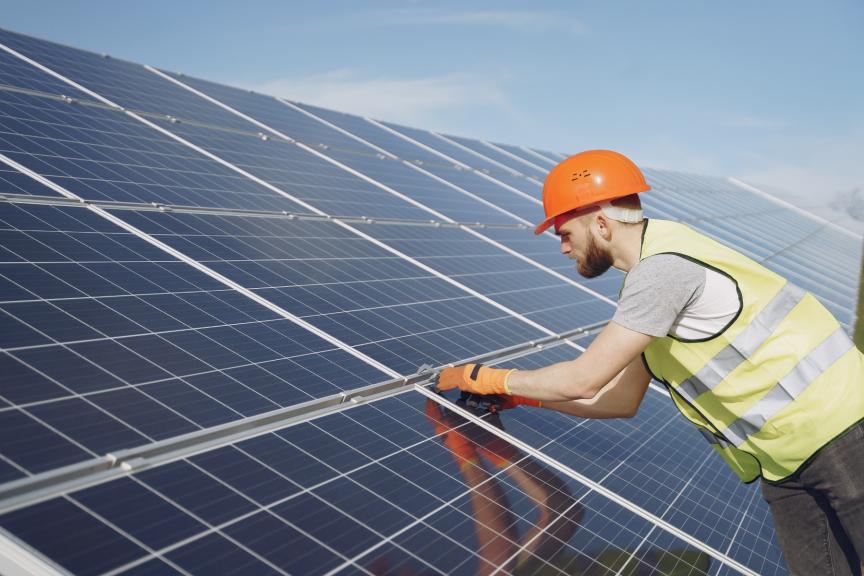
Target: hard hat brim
x=543, y=226
x=594, y=202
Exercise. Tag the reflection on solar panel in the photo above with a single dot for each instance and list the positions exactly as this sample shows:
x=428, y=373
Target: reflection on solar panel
x=213, y=307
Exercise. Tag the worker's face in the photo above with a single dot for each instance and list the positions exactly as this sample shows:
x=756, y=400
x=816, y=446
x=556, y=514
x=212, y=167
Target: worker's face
x=578, y=243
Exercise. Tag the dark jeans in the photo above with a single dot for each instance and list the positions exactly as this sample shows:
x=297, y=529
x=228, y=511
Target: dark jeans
x=819, y=514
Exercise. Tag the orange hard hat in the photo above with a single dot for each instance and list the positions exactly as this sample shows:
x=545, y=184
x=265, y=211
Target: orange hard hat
x=588, y=178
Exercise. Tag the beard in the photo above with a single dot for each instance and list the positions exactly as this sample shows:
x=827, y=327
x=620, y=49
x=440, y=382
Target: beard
x=596, y=261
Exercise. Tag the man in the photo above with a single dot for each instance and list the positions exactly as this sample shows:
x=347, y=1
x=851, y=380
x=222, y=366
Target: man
x=762, y=369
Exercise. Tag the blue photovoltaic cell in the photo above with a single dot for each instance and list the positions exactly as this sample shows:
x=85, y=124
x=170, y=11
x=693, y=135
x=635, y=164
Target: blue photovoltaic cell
x=353, y=153
x=499, y=157
x=371, y=299
x=441, y=492
x=522, y=241
x=110, y=342
x=513, y=202
x=538, y=295
x=755, y=544
x=544, y=249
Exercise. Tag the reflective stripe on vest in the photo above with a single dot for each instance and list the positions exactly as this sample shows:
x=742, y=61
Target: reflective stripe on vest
x=790, y=386
x=730, y=357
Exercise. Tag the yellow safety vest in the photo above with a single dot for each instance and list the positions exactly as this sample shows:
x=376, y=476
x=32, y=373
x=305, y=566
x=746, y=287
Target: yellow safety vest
x=780, y=381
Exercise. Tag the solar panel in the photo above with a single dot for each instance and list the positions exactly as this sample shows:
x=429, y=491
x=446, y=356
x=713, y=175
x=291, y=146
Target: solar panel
x=213, y=305
x=102, y=154
x=109, y=343
x=527, y=155
x=376, y=163
x=282, y=166
x=499, y=157
x=377, y=504
x=522, y=205
x=371, y=299
x=125, y=83
x=541, y=297
x=451, y=151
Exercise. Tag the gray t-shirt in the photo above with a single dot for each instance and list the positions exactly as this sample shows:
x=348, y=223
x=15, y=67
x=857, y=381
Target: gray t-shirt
x=656, y=290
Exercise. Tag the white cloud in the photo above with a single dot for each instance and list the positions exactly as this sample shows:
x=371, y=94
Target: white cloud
x=415, y=101
x=514, y=20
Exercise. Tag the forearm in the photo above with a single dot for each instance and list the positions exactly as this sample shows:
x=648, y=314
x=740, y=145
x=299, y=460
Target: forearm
x=609, y=354
x=606, y=404
x=561, y=382
x=619, y=398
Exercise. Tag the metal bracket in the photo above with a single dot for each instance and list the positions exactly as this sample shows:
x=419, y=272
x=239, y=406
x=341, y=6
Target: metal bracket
x=424, y=372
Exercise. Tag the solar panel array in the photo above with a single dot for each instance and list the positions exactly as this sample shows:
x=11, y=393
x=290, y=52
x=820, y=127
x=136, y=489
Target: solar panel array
x=214, y=303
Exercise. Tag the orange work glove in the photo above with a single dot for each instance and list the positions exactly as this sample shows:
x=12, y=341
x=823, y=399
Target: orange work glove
x=475, y=378
x=495, y=402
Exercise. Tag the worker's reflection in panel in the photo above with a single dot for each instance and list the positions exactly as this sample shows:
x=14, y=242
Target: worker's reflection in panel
x=520, y=516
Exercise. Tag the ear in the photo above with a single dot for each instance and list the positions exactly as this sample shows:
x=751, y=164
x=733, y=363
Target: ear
x=601, y=221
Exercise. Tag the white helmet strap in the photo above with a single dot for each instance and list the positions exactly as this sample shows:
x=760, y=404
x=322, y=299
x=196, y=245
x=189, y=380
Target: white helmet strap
x=628, y=215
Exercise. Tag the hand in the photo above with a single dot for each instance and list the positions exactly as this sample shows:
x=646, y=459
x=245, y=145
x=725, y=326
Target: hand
x=475, y=378
x=495, y=402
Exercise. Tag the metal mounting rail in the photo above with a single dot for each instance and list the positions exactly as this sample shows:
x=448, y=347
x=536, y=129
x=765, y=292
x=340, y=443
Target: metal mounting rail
x=53, y=483
x=14, y=198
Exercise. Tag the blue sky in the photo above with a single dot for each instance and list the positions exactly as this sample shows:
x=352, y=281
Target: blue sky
x=768, y=91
